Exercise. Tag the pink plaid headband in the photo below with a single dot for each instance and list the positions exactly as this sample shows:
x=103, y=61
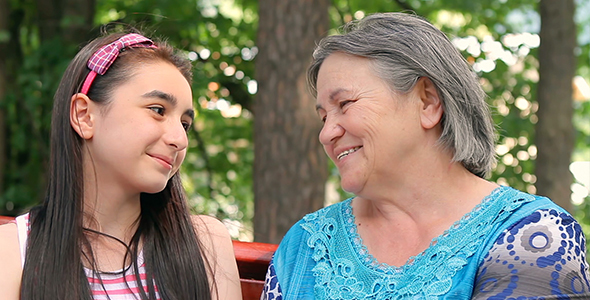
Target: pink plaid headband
x=104, y=57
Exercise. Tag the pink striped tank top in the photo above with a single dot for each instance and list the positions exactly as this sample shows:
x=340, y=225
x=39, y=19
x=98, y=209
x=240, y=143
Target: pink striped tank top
x=114, y=286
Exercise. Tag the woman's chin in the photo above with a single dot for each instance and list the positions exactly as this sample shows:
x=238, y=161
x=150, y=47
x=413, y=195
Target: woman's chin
x=351, y=186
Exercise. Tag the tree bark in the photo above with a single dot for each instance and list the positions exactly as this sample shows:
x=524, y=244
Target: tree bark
x=79, y=16
x=49, y=14
x=4, y=13
x=554, y=130
x=70, y=20
x=290, y=166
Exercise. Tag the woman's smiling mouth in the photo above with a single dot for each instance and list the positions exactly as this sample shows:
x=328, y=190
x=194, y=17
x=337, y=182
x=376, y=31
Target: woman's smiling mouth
x=349, y=151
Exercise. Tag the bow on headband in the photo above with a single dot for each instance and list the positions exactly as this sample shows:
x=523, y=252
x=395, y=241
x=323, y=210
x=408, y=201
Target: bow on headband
x=104, y=57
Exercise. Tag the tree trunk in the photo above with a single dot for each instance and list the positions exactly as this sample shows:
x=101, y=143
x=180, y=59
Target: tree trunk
x=68, y=20
x=80, y=16
x=290, y=166
x=4, y=13
x=554, y=130
x=49, y=14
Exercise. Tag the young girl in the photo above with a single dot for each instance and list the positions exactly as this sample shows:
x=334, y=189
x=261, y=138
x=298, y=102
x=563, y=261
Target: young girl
x=114, y=223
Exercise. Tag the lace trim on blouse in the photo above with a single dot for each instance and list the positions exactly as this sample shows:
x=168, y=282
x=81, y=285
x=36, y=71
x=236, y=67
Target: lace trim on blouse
x=370, y=261
x=425, y=276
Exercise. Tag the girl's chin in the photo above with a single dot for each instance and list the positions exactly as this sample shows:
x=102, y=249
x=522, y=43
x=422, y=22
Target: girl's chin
x=154, y=189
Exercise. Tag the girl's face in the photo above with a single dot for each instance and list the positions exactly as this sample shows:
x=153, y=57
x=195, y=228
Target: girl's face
x=140, y=138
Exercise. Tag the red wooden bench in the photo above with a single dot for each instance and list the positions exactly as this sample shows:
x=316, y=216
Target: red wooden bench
x=252, y=259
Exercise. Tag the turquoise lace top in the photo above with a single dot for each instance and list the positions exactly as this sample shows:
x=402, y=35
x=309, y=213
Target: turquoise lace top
x=480, y=256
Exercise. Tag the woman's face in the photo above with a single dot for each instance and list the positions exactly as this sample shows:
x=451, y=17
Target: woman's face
x=140, y=138
x=368, y=130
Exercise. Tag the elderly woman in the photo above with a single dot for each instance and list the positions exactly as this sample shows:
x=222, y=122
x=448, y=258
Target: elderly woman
x=406, y=124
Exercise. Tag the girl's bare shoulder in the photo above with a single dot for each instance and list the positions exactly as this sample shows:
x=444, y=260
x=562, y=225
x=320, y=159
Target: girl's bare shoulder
x=209, y=225
x=10, y=262
x=219, y=251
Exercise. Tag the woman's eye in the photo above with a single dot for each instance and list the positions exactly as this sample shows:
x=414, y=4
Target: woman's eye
x=157, y=109
x=323, y=119
x=343, y=103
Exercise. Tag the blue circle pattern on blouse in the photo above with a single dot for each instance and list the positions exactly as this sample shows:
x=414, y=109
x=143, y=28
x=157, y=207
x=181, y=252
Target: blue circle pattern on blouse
x=545, y=250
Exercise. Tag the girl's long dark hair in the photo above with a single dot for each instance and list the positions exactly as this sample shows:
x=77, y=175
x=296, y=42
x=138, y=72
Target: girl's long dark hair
x=174, y=259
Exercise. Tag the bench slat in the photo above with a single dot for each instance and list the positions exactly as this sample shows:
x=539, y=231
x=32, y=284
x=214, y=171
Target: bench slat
x=253, y=258
x=5, y=219
x=251, y=289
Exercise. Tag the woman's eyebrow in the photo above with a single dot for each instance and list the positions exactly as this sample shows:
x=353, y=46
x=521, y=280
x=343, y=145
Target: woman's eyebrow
x=332, y=97
x=337, y=92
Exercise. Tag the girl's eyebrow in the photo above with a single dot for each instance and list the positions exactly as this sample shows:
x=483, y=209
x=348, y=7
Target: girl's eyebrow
x=170, y=99
x=162, y=95
x=190, y=113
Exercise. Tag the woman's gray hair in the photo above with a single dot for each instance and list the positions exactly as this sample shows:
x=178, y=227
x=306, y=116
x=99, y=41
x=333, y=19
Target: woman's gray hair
x=405, y=47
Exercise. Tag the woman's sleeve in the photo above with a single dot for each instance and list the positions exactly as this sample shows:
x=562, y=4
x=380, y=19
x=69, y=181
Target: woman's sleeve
x=290, y=274
x=542, y=256
x=272, y=288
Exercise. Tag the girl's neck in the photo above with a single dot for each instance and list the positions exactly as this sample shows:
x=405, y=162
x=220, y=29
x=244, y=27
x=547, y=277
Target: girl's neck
x=112, y=212
x=113, y=218
x=108, y=207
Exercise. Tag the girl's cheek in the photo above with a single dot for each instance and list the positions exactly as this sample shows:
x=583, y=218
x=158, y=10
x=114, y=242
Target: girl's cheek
x=181, y=157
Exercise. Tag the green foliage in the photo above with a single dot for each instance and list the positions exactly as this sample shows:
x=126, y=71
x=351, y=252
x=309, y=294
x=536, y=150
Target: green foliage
x=35, y=75
x=219, y=36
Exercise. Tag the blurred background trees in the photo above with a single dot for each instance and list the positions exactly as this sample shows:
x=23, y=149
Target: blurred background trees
x=254, y=139
x=290, y=167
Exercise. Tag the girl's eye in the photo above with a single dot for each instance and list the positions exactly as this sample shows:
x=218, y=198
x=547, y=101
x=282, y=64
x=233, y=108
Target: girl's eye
x=186, y=126
x=157, y=109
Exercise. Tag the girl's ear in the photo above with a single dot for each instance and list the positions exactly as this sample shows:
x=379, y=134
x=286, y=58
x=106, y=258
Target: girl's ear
x=81, y=117
x=431, y=104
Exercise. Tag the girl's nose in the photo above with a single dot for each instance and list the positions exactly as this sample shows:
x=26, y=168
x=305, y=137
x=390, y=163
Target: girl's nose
x=176, y=137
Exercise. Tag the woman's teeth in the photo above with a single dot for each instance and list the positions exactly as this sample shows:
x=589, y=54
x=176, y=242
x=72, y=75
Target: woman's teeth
x=345, y=153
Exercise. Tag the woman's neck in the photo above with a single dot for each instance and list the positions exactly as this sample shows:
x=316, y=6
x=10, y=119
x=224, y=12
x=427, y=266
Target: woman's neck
x=424, y=193
x=399, y=220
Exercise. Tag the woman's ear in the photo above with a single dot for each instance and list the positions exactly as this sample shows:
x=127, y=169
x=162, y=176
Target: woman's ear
x=431, y=104
x=81, y=117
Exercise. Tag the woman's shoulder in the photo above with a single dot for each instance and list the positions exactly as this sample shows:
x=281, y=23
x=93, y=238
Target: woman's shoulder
x=544, y=251
x=314, y=222
x=10, y=261
x=516, y=204
x=329, y=211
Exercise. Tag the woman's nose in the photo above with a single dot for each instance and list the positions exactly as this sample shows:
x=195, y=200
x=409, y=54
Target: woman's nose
x=330, y=131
